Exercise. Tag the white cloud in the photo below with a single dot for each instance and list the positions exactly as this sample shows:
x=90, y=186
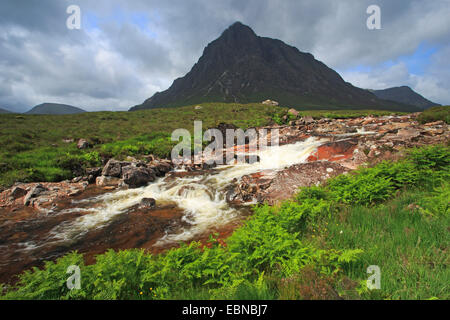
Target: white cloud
x=434, y=84
x=118, y=64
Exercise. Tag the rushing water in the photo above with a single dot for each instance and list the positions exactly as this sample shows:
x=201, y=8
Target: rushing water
x=201, y=197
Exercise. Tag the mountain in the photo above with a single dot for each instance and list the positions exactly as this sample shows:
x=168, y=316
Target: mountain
x=55, y=108
x=4, y=111
x=242, y=67
x=404, y=95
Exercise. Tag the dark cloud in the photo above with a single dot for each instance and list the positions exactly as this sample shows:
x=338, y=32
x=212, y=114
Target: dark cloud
x=126, y=51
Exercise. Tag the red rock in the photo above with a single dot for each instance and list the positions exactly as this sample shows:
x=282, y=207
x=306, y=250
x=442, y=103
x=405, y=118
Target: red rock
x=334, y=151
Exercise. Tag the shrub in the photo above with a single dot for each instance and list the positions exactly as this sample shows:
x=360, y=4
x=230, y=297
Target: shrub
x=48, y=283
x=435, y=114
x=366, y=187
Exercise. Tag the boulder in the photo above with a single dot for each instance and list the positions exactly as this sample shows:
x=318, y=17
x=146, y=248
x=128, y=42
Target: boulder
x=136, y=177
x=18, y=192
x=293, y=112
x=82, y=144
x=408, y=133
x=107, y=181
x=270, y=103
x=274, y=186
x=308, y=120
x=147, y=203
x=114, y=168
x=93, y=173
x=160, y=168
x=33, y=193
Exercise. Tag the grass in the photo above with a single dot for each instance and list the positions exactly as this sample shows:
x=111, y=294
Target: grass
x=410, y=247
x=345, y=114
x=33, y=147
x=316, y=245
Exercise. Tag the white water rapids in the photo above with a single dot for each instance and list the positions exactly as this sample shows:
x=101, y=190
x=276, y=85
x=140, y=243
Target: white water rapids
x=202, y=197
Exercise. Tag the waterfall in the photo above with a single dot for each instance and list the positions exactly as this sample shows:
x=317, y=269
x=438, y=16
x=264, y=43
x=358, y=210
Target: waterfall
x=201, y=197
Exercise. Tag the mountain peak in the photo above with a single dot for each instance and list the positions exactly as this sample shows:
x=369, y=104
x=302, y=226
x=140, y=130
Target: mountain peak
x=406, y=95
x=54, y=108
x=238, y=31
x=243, y=67
x=239, y=26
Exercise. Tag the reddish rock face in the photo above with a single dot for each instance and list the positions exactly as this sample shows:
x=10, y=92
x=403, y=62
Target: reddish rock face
x=274, y=186
x=334, y=151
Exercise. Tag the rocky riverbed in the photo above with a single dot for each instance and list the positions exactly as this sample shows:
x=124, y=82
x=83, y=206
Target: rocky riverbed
x=150, y=203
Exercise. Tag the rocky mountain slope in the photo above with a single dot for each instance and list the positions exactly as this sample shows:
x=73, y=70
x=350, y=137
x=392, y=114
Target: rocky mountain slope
x=404, y=95
x=242, y=67
x=4, y=111
x=54, y=108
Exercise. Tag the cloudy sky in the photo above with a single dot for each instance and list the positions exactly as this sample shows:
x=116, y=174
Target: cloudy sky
x=127, y=50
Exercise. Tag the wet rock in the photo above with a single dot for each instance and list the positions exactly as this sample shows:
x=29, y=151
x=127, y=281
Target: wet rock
x=107, y=181
x=147, y=203
x=274, y=186
x=231, y=195
x=83, y=144
x=79, y=179
x=93, y=173
x=33, y=193
x=114, y=168
x=136, y=177
x=18, y=192
x=246, y=158
x=160, y=168
x=334, y=151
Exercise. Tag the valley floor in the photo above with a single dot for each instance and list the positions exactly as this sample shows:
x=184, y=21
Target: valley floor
x=317, y=245
x=312, y=242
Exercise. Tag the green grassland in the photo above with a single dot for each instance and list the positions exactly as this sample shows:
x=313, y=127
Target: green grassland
x=316, y=245
x=33, y=150
x=435, y=114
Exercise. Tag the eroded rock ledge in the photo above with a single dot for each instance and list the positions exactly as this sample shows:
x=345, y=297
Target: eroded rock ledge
x=353, y=143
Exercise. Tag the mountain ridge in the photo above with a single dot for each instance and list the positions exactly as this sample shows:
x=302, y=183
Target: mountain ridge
x=54, y=108
x=242, y=67
x=406, y=95
x=4, y=111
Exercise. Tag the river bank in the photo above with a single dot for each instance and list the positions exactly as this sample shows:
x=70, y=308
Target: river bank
x=44, y=221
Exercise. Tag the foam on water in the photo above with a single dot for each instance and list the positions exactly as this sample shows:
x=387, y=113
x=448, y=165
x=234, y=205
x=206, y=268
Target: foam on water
x=201, y=197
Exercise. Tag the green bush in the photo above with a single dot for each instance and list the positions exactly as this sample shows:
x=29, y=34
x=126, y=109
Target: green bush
x=437, y=203
x=368, y=186
x=435, y=114
x=365, y=187
x=49, y=283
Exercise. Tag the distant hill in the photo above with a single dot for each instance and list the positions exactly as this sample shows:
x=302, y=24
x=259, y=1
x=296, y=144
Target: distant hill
x=404, y=95
x=241, y=67
x=4, y=111
x=54, y=108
